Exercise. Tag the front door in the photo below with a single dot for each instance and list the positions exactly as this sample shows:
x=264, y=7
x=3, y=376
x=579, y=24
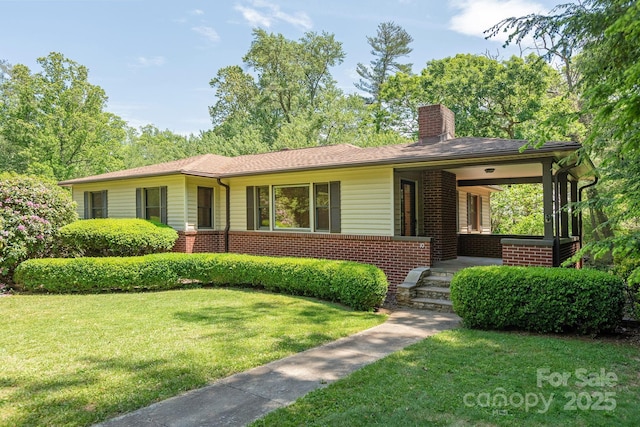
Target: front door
x=408, y=208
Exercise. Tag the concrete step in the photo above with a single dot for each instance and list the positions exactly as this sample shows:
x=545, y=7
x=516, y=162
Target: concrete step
x=433, y=292
x=438, y=281
x=443, y=306
x=445, y=272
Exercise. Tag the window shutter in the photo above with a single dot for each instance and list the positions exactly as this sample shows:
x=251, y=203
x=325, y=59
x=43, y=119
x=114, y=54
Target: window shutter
x=334, y=207
x=104, y=204
x=163, y=205
x=139, y=213
x=251, y=212
x=86, y=205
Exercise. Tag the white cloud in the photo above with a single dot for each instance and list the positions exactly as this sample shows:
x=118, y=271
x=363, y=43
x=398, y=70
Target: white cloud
x=155, y=61
x=265, y=14
x=197, y=12
x=208, y=32
x=473, y=17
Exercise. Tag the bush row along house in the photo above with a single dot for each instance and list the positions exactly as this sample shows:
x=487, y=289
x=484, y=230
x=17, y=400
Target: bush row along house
x=398, y=207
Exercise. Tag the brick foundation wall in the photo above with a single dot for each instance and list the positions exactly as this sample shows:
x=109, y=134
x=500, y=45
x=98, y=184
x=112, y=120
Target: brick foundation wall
x=521, y=255
x=199, y=241
x=395, y=256
x=439, y=194
x=485, y=245
x=480, y=245
x=569, y=249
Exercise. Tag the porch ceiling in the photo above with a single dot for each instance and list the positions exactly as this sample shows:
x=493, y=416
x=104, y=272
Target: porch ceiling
x=500, y=171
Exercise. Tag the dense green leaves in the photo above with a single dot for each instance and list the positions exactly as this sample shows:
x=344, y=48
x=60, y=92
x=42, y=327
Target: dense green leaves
x=538, y=299
x=491, y=98
x=359, y=286
x=599, y=40
x=31, y=211
x=117, y=237
x=53, y=123
x=517, y=209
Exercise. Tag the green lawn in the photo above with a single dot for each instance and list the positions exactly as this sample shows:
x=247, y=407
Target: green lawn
x=459, y=378
x=79, y=359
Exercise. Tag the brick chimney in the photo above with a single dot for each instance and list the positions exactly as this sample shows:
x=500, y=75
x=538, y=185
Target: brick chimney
x=436, y=123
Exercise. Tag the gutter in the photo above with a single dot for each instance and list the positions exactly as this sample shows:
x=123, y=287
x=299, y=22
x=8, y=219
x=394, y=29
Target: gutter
x=227, y=214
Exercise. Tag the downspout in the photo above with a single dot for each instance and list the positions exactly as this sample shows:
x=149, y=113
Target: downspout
x=227, y=214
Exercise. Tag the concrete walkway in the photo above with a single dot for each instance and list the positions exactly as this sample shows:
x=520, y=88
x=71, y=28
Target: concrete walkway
x=248, y=396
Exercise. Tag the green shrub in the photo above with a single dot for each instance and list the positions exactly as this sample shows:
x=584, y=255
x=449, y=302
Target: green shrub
x=118, y=237
x=31, y=211
x=538, y=299
x=628, y=269
x=359, y=286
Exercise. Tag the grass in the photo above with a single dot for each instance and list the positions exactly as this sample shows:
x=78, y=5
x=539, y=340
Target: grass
x=459, y=378
x=73, y=360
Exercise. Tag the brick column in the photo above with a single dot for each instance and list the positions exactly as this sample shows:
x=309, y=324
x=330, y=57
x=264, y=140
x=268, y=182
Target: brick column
x=439, y=195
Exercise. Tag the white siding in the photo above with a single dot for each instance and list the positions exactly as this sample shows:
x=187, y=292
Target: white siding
x=366, y=197
x=462, y=211
x=121, y=197
x=192, y=184
x=485, y=194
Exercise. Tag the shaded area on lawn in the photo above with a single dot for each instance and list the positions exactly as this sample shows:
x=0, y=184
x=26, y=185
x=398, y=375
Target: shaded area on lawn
x=447, y=379
x=80, y=359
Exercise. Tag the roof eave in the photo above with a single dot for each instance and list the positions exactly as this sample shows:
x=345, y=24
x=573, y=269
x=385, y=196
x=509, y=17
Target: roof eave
x=71, y=182
x=539, y=153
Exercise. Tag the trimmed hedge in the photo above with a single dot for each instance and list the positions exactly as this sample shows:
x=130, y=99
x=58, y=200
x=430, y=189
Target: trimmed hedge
x=360, y=286
x=538, y=299
x=118, y=237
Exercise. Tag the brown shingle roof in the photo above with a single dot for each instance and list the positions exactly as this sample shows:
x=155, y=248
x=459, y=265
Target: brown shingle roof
x=335, y=156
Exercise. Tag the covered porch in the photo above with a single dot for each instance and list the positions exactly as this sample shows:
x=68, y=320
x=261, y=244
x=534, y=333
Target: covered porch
x=451, y=205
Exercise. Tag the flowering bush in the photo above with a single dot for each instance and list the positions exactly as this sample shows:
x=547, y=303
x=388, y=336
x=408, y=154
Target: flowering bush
x=31, y=211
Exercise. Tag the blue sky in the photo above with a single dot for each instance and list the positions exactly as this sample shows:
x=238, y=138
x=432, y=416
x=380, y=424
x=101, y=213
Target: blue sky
x=155, y=58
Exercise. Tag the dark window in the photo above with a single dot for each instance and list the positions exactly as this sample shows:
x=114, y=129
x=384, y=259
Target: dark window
x=322, y=206
x=95, y=204
x=262, y=198
x=291, y=207
x=205, y=207
x=151, y=204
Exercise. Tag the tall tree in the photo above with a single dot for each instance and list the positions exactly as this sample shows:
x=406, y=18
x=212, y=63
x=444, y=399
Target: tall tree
x=389, y=45
x=287, y=94
x=606, y=38
x=491, y=98
x=5, y=70
x=54, y=123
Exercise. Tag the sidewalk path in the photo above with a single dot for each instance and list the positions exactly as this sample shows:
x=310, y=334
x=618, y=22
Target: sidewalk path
x=248, y=396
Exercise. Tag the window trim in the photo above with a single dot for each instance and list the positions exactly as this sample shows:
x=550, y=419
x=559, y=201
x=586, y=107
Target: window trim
x=89, y=208
x=477, y=206
x=335, y=211
x=141, y=208
x=258, y=207
x=210, y=207
x=316, y=228
x=309, y=207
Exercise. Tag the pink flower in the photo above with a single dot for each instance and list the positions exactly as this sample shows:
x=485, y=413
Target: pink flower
x=21, y=227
